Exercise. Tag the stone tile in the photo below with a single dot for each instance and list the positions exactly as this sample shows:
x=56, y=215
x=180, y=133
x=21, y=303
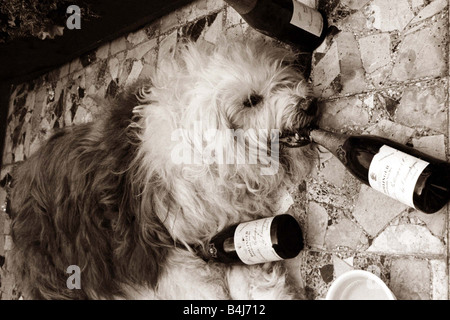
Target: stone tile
x=185, y=15
x=102, y=52
x=214, y=31
x=208, y=26
x=64, y=70
x=344, y=113
x=376, y=57
x=422, y=53
x=91, y=105
x=18, y=153
x=6, y=225
x=340, y=266
x=27, y=139
x=142, y=49
x=352, y=72
x=137, y=37
x=374, y=211
x=8, y=243
x=407, y=239
x=324, y=193
x=194, y=11
x=118, y=45
x=97, y=78
x=153, y=30
x=345, y=233
x=387, y=15
x=334, y=172
x=439, y=279
x=125, y=69
x=167, y=47
x=35, y=144
x=424, y=106
x=417, y=4
x=391, y=130
x=317, y=225
x=292, y=266
x=430, y=10
x=354, y=22
x=432, y=145
x=339, y=70
x=134, y=73
x=75, y=65
x=151, y=56
x=215, y=5
x=310, y=3
x=317, y=271
x=169, y=22
x=2, y=205
x=147, y=70
x=410, y=279
x=9, y=289
x=435, y=222
x=378, y=264
x=2, y=245
x=232, y=17
x=7, y=156
x=375, y=51
x=326, y=71
x=3, y=215
x=82, y=116
x=113, y=66
x=354, y=4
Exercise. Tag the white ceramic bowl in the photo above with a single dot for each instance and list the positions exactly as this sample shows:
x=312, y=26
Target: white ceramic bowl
x=359, y=285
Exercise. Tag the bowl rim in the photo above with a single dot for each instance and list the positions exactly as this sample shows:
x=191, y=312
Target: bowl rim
x=354, y=275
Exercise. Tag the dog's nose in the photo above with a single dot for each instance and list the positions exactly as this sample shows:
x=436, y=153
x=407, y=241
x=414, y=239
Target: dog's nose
x=308, y=105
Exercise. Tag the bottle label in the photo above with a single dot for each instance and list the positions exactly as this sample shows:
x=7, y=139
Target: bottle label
x=253, y=242
x=395, y=173
x=307, y=18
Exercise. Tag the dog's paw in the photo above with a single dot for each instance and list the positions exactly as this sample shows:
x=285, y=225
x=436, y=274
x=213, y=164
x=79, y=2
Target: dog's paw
x=261, y=282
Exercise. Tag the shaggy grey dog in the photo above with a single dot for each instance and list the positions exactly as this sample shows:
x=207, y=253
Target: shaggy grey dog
x=128, y=197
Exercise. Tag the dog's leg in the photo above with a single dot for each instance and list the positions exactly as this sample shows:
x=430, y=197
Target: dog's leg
x=187, y=276
x=268, y=281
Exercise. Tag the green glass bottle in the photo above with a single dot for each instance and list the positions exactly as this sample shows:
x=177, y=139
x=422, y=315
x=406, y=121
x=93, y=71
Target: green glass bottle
x=289, y=21
x=399, y=171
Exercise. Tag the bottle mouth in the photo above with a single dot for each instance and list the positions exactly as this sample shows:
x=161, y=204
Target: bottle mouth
x=299, y=138
x=289, y=237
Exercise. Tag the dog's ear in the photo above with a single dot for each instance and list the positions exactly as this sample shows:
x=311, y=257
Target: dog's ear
x=142, y=240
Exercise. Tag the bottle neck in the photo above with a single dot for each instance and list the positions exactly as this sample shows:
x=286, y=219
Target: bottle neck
x=242, y=6
x=333, y=142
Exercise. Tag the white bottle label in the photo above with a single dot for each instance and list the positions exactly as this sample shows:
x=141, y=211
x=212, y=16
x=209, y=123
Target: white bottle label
x=307, y=18
x=253, y=243
x=395, y=174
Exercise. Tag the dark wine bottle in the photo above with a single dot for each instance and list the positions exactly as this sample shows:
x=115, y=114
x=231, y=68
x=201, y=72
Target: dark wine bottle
x=257, y=241
x=289, y=21
x=399, y=171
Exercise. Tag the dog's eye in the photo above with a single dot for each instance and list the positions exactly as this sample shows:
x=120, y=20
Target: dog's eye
x=252, y=100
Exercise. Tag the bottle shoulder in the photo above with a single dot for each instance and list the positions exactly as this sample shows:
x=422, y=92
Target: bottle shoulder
x=376, y=142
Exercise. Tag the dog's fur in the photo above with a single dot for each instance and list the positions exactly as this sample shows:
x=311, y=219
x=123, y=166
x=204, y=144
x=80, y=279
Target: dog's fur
x=108, y=197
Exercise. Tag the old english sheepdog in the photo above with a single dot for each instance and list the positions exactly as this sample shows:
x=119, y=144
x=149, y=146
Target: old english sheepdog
x=174, y=160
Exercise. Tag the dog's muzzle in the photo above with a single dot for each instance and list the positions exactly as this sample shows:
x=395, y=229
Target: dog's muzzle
x=309, y=106
x=298, y=138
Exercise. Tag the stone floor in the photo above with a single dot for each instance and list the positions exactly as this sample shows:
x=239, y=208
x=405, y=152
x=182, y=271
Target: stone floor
x=385, y=73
